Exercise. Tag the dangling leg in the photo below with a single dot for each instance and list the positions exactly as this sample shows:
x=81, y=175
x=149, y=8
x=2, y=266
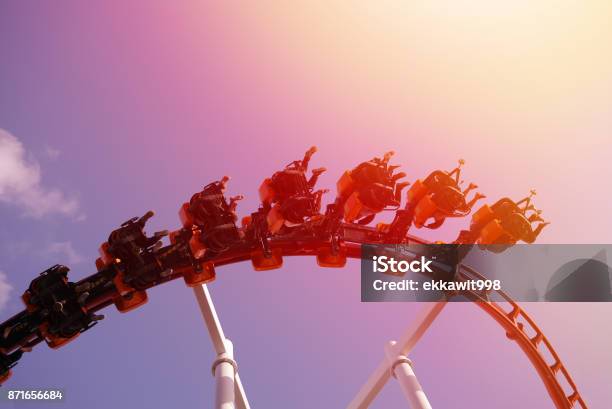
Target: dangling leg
x=387, y=156
x=536, y=216
x=457, y=172
x=307, y=156
x=466, y=237
x=392, y=168
x=315, y=176
x=438, y=221
x=223, y=183
x=318, y=195
x=398, y=190
x=527, y=200
x=398, y=176
x=366, y=219
x=534, y=235
x=233, y=203
x=476, y=198
x=471, y=187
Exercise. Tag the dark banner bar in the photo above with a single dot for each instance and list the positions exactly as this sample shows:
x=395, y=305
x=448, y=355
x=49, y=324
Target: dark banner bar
x=525, y=272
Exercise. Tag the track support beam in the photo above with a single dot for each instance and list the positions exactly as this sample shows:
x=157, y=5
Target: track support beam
x=230, y=393
x=381, y=375
x=401, y=369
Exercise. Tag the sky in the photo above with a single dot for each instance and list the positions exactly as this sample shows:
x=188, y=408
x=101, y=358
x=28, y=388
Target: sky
x=109, y=109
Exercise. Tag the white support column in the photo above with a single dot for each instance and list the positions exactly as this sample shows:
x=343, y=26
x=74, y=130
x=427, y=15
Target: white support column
x=401, y=368
x=381, y=375
x=224, y=370
x=229, y=390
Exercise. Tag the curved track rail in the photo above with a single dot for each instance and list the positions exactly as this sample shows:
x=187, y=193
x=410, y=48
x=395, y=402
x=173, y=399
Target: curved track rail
x=516, y=323
x=522, y=329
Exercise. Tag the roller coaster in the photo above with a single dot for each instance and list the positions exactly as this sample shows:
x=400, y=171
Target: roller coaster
x=289, y=222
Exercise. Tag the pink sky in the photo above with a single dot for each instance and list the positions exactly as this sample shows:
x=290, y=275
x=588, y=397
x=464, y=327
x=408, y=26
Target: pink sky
x=146, y=105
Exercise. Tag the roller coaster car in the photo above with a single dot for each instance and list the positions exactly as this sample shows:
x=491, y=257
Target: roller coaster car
x=370, y=188
x=439, y=196
x=57, y=300
x=256, y=233
x=212, y=219
x=289, y=196
x=334, y=253
x=132, y=254
x=6, y=363
x=199, y=272
x=129, y=243
x=506, y=222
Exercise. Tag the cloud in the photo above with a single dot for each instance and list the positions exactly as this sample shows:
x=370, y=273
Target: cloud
x=20, y=183
x=65, y=250
x=5, y=290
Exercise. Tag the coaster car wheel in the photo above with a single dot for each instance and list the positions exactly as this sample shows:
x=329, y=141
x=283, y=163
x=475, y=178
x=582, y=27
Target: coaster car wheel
x=206, y=275
x=58, y=342
x=130, y=301
x=263, y=263
x=327, y=258
x=55, y=341
x=5, y=376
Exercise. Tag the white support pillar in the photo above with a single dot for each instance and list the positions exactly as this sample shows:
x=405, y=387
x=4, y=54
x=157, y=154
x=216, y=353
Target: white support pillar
x=401, y=368
x=224, y=370
x=229, y=390
x=381, y=375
